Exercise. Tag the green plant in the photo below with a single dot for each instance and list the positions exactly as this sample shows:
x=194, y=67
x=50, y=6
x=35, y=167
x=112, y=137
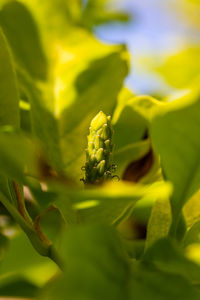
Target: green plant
x=107, y=239
x=98, y=165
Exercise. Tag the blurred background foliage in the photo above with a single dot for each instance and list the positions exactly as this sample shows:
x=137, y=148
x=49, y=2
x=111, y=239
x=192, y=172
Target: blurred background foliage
x=163, y=38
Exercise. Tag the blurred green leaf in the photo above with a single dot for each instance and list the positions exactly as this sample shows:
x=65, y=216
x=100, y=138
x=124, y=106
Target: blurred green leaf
x=52, y=224
x=132, y=152
x=124, y=117
x=17, y=287
x=167, y=257
x=21, y=259
x=159, y=222
x=193, y=235
x=23, y=37
x=95, y=264
x=84, y=87
x=175, y=135
x=9, y=99
x=191, y=210
x=109, y=204
x=17, y=156
x=97, y=12
x=182, y=68
x=134, y=113
x=65, y=15
x=44, y=124
x=9, y=106
x=4, y=242
x=152, y=284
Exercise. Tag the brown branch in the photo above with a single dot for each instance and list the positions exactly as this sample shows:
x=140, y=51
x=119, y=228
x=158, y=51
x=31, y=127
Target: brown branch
x=39, y=231
x=20, y=202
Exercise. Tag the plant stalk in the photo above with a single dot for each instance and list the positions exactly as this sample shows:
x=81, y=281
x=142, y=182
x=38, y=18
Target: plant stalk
x=42, y=246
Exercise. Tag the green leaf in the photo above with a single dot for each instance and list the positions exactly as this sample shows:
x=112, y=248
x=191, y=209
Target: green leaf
x=175, y=134
x=182, y=68
x=9, y=105
x=167, y=257
x=96, y=265
x=191, y=210
x=149, y=283
x=3, y=244
x=43, y=121
x=23, y=37
x=134, y=113
x=124, y=117
x=22, y=260
x=9, y=100
x=109, y=204
x=97, y=12
x=132, y=152
x=159, y=222
x=17, y=287
x=84, y=88
x=193, y=235
x=17, y=155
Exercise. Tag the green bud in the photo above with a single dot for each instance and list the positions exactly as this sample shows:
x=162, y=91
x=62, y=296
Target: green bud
x=99, y=154
x=107, y=144
x=98, y=143
x=98, y=121
x=98, y=165
x=101, y=167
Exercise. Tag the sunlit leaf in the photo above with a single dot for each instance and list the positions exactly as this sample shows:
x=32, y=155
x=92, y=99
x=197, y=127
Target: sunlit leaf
x=109, y=204
x=159, y=222
x=179, y=149
x=84, y=82
x=181, y=69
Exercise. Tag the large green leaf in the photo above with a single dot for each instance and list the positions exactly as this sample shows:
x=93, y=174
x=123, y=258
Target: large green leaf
x=182, y=68
x=21, y=259
x=103, y=243
x=84, y=87
x=64, y=15
x=9, y=99
x=97, y=268
x=159, y=222
x=109, y=204
x=9, y=103
x=43, y=121
x=152, y=284
x=23, y=37
x=175, y=134
x=166, y=256
x=18, y=156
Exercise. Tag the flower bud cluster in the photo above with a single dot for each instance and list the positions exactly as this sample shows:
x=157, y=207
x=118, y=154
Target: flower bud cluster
x=99, y=152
